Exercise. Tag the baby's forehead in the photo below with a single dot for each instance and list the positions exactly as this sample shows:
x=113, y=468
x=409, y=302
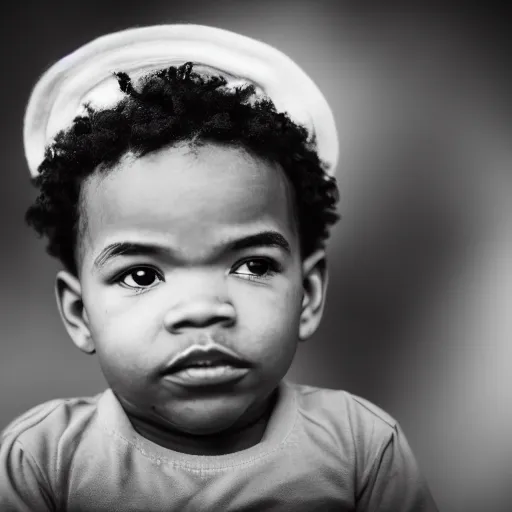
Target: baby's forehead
x=189, y=197
x=197, y=171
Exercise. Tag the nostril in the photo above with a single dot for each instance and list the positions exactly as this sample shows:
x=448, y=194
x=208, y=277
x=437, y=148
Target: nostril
x=187, y=323
x=199, y=315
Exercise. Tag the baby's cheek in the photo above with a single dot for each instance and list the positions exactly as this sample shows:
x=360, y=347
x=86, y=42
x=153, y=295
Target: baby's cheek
x=117, y=309
x=123, y=353
x=123, y=332
x=281, y=310
x=114, y=301
x=272, y=328
x=279, y=302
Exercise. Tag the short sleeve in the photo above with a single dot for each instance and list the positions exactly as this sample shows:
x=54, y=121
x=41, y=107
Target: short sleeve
x=22, y=484
x=394, y=482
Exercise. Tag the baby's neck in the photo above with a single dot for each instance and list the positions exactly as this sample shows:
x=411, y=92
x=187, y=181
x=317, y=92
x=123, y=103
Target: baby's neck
x=223, y=443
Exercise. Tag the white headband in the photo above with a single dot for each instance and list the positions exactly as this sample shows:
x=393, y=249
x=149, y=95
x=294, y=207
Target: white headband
x=87, y=76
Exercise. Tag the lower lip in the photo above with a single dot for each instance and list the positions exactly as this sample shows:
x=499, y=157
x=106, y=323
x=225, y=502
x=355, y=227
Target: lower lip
x=207, y=376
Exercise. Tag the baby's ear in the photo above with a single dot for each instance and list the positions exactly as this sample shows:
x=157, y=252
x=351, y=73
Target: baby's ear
x=68, y=292
x=315, y=279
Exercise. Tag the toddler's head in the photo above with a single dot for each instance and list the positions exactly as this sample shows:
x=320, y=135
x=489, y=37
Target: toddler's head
x=190, y=216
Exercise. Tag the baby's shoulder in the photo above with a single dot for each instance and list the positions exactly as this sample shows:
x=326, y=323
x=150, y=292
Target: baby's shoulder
x=353, y=427
x=49, y=421
x=348, y=411
x=365, y=408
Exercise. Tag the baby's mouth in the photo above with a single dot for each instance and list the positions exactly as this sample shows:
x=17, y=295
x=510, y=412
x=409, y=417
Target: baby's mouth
x=204, y=366
x=204, y=357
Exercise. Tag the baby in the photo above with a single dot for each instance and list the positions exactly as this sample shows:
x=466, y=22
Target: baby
x=185, y=178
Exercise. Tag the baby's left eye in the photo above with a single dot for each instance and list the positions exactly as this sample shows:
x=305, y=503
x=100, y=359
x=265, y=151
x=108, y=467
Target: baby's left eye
x=141, y=278
x=257, y=268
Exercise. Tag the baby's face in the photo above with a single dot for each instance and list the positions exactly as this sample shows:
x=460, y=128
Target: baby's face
x=182, y=282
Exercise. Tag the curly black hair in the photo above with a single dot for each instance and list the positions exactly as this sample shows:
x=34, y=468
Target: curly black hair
x=167, y=107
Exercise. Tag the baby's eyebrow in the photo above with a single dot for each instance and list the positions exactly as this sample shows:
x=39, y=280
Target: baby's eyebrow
x=126, y=249
x=262, y=239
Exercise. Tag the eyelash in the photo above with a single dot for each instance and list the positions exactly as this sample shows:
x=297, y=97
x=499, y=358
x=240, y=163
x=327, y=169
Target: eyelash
x=137, y=289
x=273, y=268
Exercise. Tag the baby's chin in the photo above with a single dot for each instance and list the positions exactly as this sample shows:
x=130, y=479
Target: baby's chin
x=206, y=417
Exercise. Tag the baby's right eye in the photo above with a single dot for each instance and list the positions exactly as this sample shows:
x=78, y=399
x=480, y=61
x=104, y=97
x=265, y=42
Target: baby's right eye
x=141, y=278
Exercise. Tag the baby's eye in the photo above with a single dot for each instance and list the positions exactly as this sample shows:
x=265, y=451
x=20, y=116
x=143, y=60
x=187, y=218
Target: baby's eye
x=257, y=268
x=141, y=278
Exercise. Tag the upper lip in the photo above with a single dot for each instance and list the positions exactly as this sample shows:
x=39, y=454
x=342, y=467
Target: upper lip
x=210, y=353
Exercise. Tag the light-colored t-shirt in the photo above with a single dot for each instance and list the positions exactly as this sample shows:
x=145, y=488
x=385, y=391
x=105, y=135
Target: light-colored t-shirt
x=323, y=450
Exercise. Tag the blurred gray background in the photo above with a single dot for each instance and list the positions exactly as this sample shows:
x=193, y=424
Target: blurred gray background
x=417, y=318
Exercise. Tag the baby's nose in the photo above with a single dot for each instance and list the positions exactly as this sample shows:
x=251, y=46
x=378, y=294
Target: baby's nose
x=200, y=313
